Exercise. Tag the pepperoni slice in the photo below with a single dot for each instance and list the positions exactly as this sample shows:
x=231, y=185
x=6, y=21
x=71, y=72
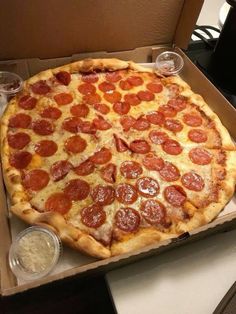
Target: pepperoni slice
x=18, y=140
x=103, y=195
x=178, y=103
x=141, y=124
x=51, y=113
x=169, y=172
x=108, y=173
x=72, y=125
x=154, y=212
x=125, y=85
x=101, y=124
x=20, y=120
x=145, y=95
x=86, y=89
x=200, y=156
x=112, y=97
x=20, y=160
x=81, y=110
x=172, y=147
x=126, y=193
x=175, y=195
x=158, y=137
x=106, y=87
x=155, y=87
x=102, y=108
x=193, y=181
x=87, y=127
x=35, y=180
x=152, y=162
x=147, y=187
x=89, y=78
x=121, y=145
x=127, y=122
x=40, y=87
x=63, y=99
x=173, y=125
x=121, y=107
x=27, y=102
x=42, y=127
x=140, y=147
x=168, y=111
x=63, y=77
x=75, y=144
x=77, y=190
x=58, y=202
x=193, y=120
x=60, y=169
x=132, y=99
x=85, y=168
x=135, y=80
x=45, y=148
x=102, y=156
x=92, y=99
x=93, y=216
x=156, y=118
x=197, y=136
x=131, y=169
x=113, y=77
x=127, y=219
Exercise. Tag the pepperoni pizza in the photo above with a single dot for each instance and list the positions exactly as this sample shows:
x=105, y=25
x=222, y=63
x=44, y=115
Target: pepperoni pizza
x=114, y=157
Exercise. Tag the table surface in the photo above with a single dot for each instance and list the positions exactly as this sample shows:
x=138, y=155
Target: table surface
x=190, y=279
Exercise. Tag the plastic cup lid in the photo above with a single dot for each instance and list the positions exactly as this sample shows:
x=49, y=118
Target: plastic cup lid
x=169, y=63
x=10, y=83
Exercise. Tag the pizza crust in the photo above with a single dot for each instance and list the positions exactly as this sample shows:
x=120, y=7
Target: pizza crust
x=142, y=238
x=88, y=66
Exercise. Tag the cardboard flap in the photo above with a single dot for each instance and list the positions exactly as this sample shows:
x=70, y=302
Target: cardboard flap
x=56, y=28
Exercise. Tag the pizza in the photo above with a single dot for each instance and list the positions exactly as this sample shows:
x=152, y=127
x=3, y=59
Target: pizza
x=113, y=156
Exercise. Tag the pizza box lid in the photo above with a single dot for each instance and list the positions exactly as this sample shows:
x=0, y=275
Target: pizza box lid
x=60, y=28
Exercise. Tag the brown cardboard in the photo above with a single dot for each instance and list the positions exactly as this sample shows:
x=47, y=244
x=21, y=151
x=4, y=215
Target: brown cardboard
x=224, y=222
x=59, y=28
x=56, y=37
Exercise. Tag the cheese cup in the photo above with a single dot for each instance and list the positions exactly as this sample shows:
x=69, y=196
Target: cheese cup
x=34, y=253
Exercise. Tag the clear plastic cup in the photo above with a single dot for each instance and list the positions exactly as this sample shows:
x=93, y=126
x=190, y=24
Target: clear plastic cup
x=10, y=85
x=34, y=253
x=169, y=63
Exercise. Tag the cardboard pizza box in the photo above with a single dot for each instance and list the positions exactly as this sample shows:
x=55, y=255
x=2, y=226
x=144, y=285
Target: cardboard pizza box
x=47, y=35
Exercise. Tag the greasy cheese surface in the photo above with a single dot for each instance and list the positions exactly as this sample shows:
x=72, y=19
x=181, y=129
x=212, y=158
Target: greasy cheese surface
x=105, y=138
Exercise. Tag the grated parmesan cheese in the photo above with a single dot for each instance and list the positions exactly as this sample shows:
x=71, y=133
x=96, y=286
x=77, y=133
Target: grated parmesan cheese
x=36, y=252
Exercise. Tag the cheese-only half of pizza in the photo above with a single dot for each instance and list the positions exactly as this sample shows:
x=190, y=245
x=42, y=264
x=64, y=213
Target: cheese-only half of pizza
x=113, y=156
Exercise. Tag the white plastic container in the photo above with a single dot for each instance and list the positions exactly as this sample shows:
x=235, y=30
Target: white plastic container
x=34, y=253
